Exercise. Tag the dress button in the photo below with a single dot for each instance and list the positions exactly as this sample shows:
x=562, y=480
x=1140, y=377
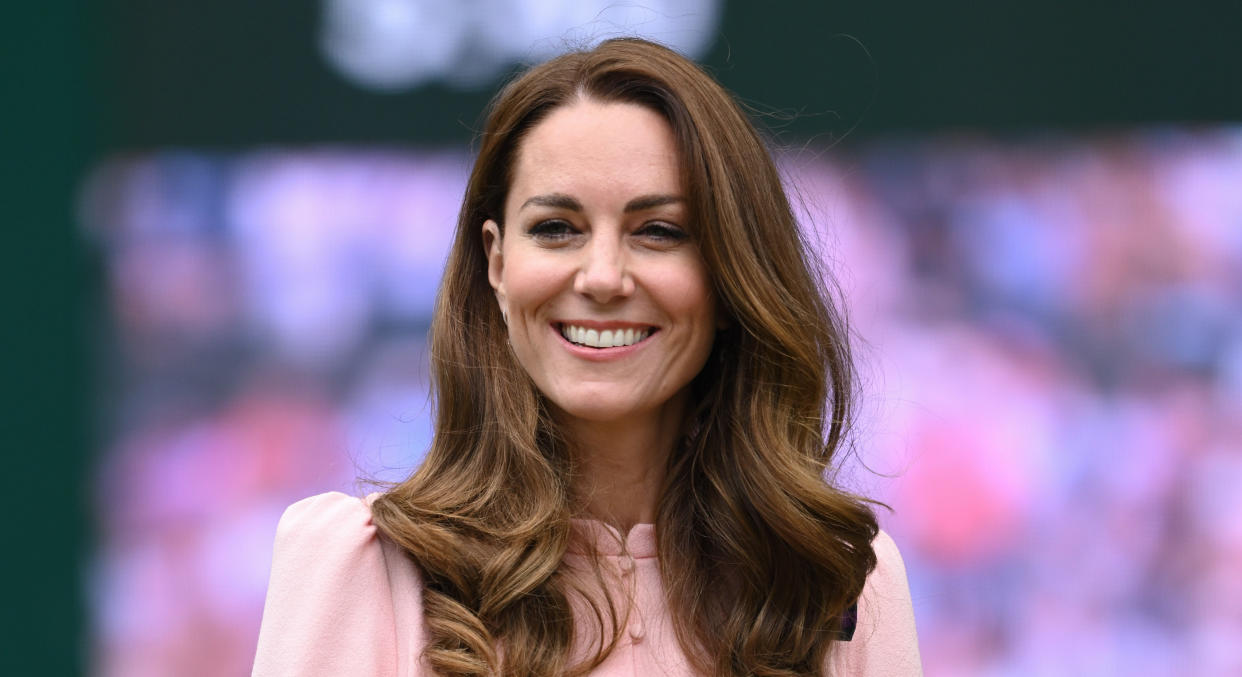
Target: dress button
x=636, y=632
x=627, y=566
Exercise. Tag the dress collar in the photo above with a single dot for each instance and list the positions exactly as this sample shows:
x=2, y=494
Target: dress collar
x=608, y=541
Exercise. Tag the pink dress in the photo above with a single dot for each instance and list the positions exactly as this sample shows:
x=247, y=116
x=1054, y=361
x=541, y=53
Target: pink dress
x=343, y=601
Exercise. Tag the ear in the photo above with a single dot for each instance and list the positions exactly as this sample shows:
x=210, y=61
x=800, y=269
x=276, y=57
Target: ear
x=495, y=262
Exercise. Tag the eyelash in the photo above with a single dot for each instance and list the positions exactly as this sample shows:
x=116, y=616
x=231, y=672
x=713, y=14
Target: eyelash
x=559, y=229
x=664, y=231
x=552, y=229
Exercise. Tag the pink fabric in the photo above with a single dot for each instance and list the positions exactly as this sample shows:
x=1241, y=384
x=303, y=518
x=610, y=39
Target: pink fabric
x=343, y=601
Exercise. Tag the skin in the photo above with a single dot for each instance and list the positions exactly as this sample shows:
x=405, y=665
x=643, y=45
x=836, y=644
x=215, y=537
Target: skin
x=597, y=235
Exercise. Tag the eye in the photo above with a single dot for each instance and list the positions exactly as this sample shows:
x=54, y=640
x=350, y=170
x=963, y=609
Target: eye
x=552, y=230
x=663, y=232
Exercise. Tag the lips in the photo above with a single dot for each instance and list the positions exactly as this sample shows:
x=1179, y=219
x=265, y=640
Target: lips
x=592, y=337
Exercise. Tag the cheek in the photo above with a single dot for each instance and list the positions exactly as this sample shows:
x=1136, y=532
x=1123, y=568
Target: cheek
x=529, y=282
x=697, y=288
x=686, y=294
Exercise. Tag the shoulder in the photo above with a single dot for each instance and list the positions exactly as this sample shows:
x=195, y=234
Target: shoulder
x=890, y=569
x=329, y=542
x=329, y=607
x=885, y=642
x=331, y=519
x=324, y=535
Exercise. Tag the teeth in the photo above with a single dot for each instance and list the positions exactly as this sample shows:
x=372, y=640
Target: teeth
x=608, y=338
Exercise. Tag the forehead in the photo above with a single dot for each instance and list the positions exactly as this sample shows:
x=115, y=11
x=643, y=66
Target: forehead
x=595, y=151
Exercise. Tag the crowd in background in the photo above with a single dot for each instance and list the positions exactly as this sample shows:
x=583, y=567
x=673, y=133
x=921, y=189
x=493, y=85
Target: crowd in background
x=1048, y=334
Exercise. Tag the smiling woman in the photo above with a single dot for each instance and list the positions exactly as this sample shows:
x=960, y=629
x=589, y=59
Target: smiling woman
x=640, y=389
x=598, y=255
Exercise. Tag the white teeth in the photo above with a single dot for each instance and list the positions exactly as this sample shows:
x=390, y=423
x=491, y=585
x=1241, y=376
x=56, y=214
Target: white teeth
x=607, y=338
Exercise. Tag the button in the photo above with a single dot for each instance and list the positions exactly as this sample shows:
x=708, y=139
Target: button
x=627, y=565
x=636, y=631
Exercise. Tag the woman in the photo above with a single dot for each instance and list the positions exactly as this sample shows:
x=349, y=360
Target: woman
x=640, y=388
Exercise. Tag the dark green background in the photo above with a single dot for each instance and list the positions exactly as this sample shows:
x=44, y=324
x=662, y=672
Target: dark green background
x=82, y=82
x=48, y=138
x=238, y=72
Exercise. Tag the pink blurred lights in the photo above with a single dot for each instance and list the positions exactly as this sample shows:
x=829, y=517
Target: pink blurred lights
x=1051, y=351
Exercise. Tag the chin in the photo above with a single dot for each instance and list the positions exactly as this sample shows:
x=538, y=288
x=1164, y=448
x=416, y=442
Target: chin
x=610, y=403
x=599, y=412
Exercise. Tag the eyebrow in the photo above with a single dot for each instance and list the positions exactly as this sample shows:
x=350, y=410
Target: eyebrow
x=644, y=202
x=558, y=200
x=563, y=201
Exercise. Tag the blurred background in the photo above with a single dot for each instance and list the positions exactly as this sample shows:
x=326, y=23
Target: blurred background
x=232, y=216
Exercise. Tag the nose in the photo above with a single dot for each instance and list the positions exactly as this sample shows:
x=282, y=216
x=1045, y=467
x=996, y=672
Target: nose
x=603, y=275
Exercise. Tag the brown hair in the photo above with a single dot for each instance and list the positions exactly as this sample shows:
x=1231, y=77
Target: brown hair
x=759, y=554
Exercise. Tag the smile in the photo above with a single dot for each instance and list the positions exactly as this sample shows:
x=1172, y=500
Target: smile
x=606, y=338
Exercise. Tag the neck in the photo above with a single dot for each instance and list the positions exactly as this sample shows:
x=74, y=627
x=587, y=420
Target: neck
x=621, y=465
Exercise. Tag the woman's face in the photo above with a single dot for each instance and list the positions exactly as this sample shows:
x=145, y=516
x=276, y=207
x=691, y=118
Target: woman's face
x=609, y=305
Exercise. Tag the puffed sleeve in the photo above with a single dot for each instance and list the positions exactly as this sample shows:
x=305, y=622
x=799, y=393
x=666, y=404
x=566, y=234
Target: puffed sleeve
x=329, y=608
x=884, y=643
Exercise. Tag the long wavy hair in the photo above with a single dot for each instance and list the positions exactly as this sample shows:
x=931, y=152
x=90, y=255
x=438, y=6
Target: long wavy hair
x=759, y=554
